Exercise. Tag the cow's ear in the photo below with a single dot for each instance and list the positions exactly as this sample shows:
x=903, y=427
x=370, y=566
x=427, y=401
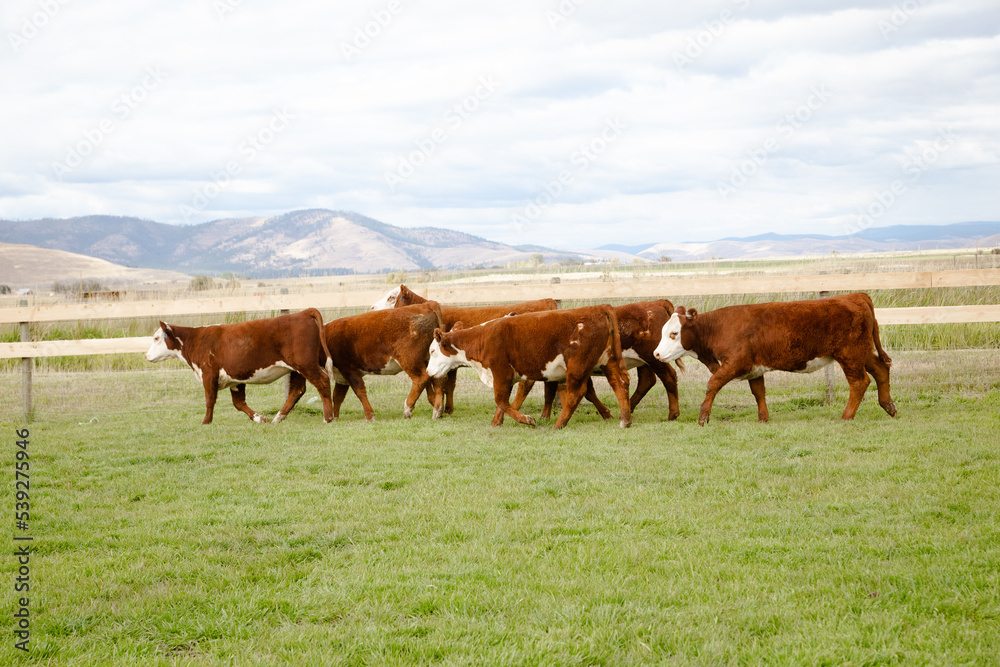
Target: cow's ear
x=457, y=326
x=691, y=314
x=438, y=334
x=166, y=329
x=680, y=311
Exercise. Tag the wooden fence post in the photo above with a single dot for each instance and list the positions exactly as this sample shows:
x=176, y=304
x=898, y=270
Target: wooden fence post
x=27, y=365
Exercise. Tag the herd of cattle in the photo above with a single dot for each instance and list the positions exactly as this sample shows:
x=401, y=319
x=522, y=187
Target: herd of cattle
x=532, y=342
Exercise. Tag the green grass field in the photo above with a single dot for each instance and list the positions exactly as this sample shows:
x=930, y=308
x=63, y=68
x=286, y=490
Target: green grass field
x=803, y=541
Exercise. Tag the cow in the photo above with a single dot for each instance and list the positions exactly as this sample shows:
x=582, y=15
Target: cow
x=401, y=296
x=254, y=352
x=553, y=346
x=639, y=327
x=744, y=342
x=384, y=342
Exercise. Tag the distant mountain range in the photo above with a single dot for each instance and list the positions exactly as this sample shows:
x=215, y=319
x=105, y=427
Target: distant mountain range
x=320, y=242
x=310, y=242
x=878, y=239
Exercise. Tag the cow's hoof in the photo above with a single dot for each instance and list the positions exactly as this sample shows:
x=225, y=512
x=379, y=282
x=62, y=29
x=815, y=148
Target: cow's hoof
x=890, y=409
x=407, y=414
x=530, y=421
x=624, y=424
x=278, y=418
x=260, y=419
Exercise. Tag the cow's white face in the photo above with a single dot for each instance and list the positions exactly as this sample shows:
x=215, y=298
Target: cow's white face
x=441, y=364
x=159, y=351
x=388, y=301
x=670, y=348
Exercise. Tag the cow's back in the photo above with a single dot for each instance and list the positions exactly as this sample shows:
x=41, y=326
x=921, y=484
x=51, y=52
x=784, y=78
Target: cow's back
x=368, y=339
x=531, y=341
x=474, y=315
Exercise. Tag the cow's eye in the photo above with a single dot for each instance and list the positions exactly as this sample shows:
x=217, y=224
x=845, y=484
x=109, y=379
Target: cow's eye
x=673, y=336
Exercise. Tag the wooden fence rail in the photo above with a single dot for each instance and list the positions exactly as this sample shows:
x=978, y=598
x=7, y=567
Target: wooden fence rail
x=673, y=288
x=670, y=288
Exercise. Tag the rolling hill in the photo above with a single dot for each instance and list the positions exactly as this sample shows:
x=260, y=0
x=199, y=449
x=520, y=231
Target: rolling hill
x=323, y=242
x=878, y=239
x=27, y=266
x=309, y=242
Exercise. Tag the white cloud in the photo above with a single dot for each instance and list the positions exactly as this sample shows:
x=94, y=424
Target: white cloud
x=369, y=83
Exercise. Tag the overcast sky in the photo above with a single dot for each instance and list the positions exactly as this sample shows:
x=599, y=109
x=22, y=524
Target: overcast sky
x=569, y=124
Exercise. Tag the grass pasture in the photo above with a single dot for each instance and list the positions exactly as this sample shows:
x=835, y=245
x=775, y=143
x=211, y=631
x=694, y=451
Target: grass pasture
x=803, y=541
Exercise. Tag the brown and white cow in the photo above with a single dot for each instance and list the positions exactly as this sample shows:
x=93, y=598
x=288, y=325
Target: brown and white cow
x=639, y=326
x=552, y=346
x=384, y=342
x=254, y=352
x=401, y=296
x=744, y=342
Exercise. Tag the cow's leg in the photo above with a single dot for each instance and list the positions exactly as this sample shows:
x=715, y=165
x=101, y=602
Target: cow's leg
x=420, y=382
x=502, y=384
x=669, y=379
x=497, y=416
x=296, y=388
x=720, y=378
x=357, y=382
x=239, y=394
x=210, y=380
x=618, y=379
x=646, y=381
x=435, y=391
x=551, y=389
x=523, y=389
x=591, y=395
x=858, y=381
x=880, y=372
x=339, y=394
x=318, y=378
x=572, y=394
x=757, y=389
x=449, y=391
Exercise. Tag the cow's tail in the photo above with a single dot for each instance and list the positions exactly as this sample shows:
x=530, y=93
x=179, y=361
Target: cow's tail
x=614, y=341
x=878, y=344
x=883, y=357
x=328, y=361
